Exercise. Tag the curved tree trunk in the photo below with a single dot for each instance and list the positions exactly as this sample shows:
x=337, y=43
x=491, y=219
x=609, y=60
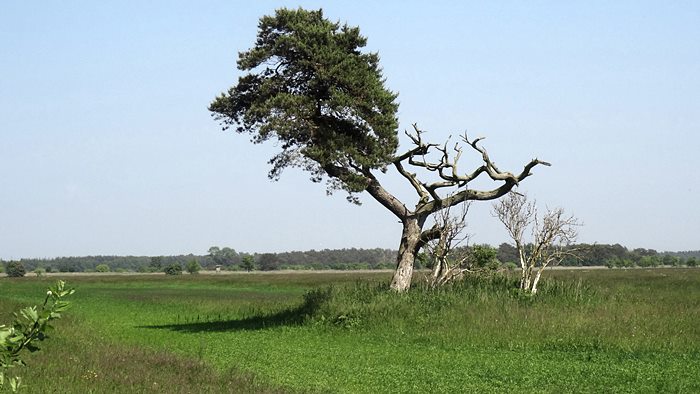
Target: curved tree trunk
x=410, y=244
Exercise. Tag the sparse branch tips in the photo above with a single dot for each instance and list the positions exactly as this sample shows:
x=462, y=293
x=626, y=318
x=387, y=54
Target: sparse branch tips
x=449, y=234
x=446, y=166
x=551, y=236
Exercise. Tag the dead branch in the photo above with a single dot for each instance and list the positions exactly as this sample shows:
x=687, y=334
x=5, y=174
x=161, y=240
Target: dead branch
x=449, y=229
x=444, y=162
x=551, y=236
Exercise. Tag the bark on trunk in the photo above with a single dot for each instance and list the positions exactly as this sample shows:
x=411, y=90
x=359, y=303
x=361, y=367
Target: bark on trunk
x=524, y=274
x=537, y=279
x=526, y=280
x=410, y=243
x=439, y=270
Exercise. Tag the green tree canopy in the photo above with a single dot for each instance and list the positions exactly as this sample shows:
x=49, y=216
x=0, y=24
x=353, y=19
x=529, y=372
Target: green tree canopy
x=193, y=267
x=173, y=269
x=308, y=85
x=15, y=269
x=156, y=263
x=248, y=263
x=268, y=262
x=484, y=256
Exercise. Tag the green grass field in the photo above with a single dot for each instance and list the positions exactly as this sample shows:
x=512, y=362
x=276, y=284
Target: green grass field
x=588, y=331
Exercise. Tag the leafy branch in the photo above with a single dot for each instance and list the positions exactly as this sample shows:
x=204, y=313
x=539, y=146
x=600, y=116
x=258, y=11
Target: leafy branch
x=30, y=325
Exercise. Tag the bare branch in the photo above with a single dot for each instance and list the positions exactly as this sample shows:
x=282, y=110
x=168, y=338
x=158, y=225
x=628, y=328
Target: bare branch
x=444, y=237
x=452, y=183
x=551, y=236
x=423, y=193
x=445, y=165
x=420, y=149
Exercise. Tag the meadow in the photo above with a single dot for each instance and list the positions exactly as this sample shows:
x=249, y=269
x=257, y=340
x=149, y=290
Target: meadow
x=586, y=331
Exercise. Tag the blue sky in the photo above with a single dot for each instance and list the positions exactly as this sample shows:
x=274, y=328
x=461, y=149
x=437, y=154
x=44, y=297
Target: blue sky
x=107, y=147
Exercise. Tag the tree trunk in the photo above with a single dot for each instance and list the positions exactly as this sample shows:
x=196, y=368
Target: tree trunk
x=410, y=243
x=440, y=261
x=526, y=279
x=537, y=279
x=524, y=274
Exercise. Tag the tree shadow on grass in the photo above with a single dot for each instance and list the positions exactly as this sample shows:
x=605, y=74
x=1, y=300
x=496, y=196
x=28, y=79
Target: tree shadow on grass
x=295, y=316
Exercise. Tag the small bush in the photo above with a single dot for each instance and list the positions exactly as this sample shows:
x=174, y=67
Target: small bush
x=15, y=269
x=193, y=267
x=247, y=263
x=173, y=269
x=102, y=268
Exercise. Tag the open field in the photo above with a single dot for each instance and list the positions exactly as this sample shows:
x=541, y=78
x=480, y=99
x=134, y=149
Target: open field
x=591, y=331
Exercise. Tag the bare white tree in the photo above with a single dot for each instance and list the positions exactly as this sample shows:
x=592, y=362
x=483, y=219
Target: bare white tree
x=448, y=265
x=551, y=236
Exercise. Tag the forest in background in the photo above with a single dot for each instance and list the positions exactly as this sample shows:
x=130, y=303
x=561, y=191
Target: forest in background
x=613, y=256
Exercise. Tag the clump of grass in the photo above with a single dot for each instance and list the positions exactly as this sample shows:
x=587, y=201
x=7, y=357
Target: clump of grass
x=567, y=292
x=371, y=304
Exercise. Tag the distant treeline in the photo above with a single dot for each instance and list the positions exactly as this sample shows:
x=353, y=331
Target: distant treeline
x=226, y=259
x=618, y=256
x=686, y=254
x=344, y=259
x=613, y=256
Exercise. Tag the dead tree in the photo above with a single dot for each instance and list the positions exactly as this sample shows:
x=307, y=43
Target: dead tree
x=449, y=189
x=551, y=236
x=430, y=202
x=446, y=264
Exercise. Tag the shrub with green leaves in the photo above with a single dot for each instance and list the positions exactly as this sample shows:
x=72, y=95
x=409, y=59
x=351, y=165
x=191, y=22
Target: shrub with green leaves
x=27, y=328
x=248, y=263
x=484, y=256
x=15, y=269
x=173, y=269
x=102, y=268
x=193, y=267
